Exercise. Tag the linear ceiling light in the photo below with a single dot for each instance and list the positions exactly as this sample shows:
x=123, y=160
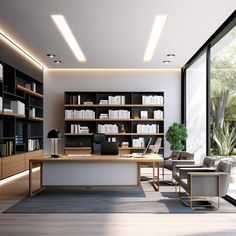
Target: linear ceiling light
x=154, y=37
x=65, y=30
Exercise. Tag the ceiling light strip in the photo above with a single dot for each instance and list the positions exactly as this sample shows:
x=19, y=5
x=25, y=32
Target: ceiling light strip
x=113, y=69
x=66, y=32
x=21, y=50
x=154, y=37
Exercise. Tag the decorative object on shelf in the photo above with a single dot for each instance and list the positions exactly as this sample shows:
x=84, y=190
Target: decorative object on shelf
x=54, y=135
x=121, y=128
x=176, y=135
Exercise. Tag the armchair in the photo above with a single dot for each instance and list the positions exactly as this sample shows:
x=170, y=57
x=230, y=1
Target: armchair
x=206, y=184
x=207, y=164
x=177, y=158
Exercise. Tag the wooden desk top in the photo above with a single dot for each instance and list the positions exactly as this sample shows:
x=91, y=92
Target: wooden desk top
x=101, y=158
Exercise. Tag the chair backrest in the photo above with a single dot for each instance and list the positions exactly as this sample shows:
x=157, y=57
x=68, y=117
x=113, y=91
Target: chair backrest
x=97, y=139
x=208, y=162
x=175, y=155
x=156, y=147
x=224, y=167
x=186, y=156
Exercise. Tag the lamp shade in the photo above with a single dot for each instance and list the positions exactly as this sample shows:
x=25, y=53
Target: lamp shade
x=54, y=133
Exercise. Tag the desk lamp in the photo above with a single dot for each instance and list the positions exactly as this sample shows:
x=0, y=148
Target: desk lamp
x=54, y=135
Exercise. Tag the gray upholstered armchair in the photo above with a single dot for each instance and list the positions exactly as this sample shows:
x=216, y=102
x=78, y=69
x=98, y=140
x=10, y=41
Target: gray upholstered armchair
x=207, y=165
x=206, y=184
x=177, y=158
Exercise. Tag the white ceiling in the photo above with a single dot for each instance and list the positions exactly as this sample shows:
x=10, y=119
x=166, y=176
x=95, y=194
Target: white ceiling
x=113, y=33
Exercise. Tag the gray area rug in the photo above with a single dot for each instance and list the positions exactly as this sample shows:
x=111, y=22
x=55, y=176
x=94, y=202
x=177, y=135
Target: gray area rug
x=109, y=200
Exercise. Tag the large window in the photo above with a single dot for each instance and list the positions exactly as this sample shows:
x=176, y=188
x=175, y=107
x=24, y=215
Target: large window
x=196, y=108
x=223, y=100
x=209, y=99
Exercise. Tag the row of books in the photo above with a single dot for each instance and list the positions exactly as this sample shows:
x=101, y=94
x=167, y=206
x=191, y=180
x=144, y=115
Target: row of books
x=80, y=114
x=108, y=128
x=158, y=100
x=138, y=142
x=73, y=99
x=6, y=149
x=119, y=114
x=1, y=72
x=78, y=129
x=119, y=100
x=148, y=128
x=33, y=144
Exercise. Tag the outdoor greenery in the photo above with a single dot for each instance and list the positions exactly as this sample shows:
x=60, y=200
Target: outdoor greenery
x=223, y=97
x=176, y=135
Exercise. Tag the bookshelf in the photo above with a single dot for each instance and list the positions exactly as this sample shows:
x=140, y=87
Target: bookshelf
x=21, y=119
x=124, y=117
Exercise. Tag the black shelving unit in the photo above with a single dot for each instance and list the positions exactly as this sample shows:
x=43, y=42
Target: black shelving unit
x=132, y=102
x=17, y=129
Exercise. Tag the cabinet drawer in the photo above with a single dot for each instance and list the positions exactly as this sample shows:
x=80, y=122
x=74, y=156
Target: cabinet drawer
x=12, y=165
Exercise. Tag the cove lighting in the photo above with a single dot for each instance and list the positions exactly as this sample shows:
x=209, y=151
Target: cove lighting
x=154, y=37
x=20, y=49
x=66, y=32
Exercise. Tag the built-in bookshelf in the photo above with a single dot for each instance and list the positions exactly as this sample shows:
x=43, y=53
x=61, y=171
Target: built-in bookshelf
x=130, y=118
x=21, y=119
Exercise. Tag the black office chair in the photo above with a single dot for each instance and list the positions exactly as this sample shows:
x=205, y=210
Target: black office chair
x=97, y=139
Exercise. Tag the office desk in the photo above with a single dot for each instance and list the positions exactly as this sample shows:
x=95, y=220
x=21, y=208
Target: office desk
x=95, y=170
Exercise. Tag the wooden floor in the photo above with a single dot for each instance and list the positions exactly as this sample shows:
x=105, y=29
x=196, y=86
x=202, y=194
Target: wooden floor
x=105, y=224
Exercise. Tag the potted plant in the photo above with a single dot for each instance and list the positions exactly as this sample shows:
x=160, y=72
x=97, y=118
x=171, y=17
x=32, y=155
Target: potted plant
x=176, y=135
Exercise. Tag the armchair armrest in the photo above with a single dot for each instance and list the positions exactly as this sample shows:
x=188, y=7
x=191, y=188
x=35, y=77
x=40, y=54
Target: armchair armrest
x=185, y=171
x=181, y=162
x=188, y=166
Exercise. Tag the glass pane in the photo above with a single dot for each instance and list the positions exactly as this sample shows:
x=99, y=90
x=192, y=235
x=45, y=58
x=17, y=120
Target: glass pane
x=223, y=102
x=196, y=108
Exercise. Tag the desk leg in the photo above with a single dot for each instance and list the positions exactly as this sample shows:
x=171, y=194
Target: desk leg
x=31, y=192
x=30, y=178
x=155, y=185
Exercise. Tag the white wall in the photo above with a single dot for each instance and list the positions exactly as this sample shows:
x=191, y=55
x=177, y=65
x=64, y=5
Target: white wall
x=56, y=83
x=196, y=109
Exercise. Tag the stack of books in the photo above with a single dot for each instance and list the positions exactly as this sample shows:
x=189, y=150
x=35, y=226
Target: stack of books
x=103, y=116
x=80, y=114
x=108, y=128
x=158, y=114
x=119, y=114
x=18, y=107
x=103, y=102
x=152, y=128
x=6, y=149
x=119, y=100
x=158, y=100
x=138, y=142
x=33, y=144
x=78, y=129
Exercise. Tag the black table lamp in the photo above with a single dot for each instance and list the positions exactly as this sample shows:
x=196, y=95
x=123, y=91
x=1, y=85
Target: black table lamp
x=54, y=135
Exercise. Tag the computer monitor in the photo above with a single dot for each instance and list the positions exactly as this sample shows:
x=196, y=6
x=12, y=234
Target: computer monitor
x=109, y=148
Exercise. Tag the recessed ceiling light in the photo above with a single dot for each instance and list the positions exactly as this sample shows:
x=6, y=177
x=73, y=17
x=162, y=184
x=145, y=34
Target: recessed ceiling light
x=154, y=37
x=166, y=61
x=66, y=32
x=170, y=55
x=57, y=61
x=51, y=55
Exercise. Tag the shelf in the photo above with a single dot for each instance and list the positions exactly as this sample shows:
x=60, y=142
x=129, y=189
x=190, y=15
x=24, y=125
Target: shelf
x=13, y=95
x=7, y=113
x=118, y=134
x=36, y=118
x=138, y=120
x=77, y=148
x=20, y=144
x=113, y=105
x=122, y=148
x=22, y=88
